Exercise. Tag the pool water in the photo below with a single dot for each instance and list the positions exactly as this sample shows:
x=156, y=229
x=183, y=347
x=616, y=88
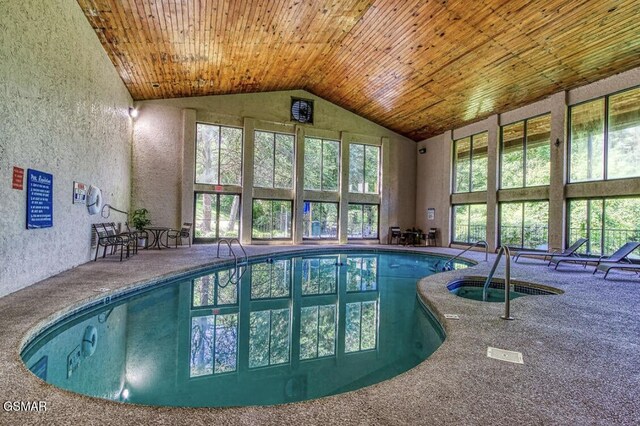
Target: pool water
x=291, y=329
x=493, y=294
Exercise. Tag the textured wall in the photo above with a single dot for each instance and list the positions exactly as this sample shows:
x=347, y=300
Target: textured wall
x=63, y=110
x=157, y=150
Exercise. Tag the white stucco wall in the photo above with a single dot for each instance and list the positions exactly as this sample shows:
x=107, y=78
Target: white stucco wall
x=159, y=132
x=64, y=111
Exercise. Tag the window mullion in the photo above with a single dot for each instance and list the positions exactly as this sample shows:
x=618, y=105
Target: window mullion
x=602, y=227
x=522, y=228
x=524, y=155
x=471, y=164
x=273, y=170
x=219, y=154
x=321, y=164
x=605, y=154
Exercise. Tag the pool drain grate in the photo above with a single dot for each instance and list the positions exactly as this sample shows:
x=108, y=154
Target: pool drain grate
x=504, y=355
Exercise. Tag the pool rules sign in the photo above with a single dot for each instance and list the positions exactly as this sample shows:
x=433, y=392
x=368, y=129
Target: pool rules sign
x=39, y=199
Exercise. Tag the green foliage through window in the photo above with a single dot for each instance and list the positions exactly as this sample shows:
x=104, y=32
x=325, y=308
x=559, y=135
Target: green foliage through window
x=271, y=219
x=525, y=224
x=362, y=221
x=216, y=216
x=525, y=153
x=364, y=168
x=218, y=155
x=320, y=220
x=321, y=164
x=273, y=160
x=470, y=163
x=469, y=223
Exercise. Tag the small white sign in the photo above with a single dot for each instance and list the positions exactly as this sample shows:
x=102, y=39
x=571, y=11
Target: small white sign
x=452, y=316
x=431, y=214
x=505, y=355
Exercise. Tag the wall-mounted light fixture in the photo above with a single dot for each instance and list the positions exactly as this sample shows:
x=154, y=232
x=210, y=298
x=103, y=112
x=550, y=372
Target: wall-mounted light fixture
x=422, y=150
x=133, y=112
x=557, y=142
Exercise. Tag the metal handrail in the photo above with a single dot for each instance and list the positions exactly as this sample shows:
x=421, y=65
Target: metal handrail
x=238, y=264
x=477, y=243
x=507, y=280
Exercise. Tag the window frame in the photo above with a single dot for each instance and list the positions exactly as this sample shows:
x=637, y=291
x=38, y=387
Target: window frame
x=337, y=203
x=364, y=168
x=605, y=142
x=199, y=240
x=524, y=153
x=304, y=164
x=468, y=222
x=195, y=154
x=291, y=202
x=273, y=177
x=455, y=169
x=522, y=227
x=378, y=221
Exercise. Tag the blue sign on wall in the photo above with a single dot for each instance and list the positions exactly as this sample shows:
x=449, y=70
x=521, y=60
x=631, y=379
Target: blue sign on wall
x=39, y=199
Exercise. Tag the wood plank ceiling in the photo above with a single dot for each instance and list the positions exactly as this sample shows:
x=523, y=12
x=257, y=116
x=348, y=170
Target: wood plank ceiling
x=417, y=67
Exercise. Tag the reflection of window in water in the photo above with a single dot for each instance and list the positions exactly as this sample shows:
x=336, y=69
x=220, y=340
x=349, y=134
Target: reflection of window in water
x=361, y=326
x=215, y=289
x=319, y=276
x=271, y=280
x=268, y=337
x=214, y=344
x=317, y=331
x=362, y=273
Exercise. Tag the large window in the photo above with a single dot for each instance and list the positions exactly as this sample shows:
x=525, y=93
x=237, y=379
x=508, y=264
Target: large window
x=218, y=155
x=361, y=326
x=607, y=223
x=271, y=219
x=469, y=223
x=604, y=138
x=525, y=152
x=216, y=216
x=363, y=221
x=273, y=160
x=317, y=331
x=525, y=224
x=364, y=169
x=214, y=344
x=470, y=163
x=321, y=164
x=320, y=220
x=269, y=337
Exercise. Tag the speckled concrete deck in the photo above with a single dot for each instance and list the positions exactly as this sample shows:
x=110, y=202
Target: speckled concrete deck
x=581, y=354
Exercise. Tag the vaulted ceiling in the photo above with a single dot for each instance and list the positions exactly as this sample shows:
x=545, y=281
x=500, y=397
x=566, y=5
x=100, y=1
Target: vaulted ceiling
x=416, y=67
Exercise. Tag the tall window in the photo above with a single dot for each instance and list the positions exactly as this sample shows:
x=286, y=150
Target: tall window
x=525, y=224
x=604, y=135
x=361, y=326
x=216, y=216
x=470, y=163
x=320, y=220
x=269, y=337
x=321, y=164
x=608, y=223
x=469, y=223
x=273, y=160
x=525, y=153
x=363, y=221
x=214, y=344
x=218, y=154
x=364, y=169
x=317, y=331
x=271, y=219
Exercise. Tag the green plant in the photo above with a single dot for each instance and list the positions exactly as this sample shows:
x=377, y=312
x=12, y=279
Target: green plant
x=140, y=218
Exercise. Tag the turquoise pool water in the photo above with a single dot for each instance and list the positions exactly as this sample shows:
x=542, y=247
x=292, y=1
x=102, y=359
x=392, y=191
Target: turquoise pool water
x=291, y=329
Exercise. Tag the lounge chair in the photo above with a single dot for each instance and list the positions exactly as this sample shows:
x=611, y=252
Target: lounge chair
x=571, y=251
x=618, y=260
x=616, y=257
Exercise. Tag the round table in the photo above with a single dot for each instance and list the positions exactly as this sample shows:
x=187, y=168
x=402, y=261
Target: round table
x=158, y=232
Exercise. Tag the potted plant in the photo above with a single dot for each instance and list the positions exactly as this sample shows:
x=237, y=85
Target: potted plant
x=140, y=220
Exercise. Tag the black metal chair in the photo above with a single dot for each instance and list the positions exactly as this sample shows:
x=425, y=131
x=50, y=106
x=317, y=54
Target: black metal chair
x=108, y=239
x=179, y=234
x=394, y=235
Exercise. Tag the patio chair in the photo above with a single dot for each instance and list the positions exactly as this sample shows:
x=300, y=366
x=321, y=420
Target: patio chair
x=128, y=235
x=616, y=257
x=571, y=251
x=179, y=234
x=618, y=260
x=394, y=235
x=108, y=241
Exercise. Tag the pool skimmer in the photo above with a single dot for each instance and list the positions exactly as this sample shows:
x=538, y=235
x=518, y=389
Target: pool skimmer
x=504, y=355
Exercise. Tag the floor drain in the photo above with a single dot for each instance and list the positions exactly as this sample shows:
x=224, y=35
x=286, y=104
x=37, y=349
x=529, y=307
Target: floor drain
x=504, y=355
x=452, y=316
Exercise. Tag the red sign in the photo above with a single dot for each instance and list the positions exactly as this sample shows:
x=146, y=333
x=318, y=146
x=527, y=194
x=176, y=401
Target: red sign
x=18, y=178
x=218, y=188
